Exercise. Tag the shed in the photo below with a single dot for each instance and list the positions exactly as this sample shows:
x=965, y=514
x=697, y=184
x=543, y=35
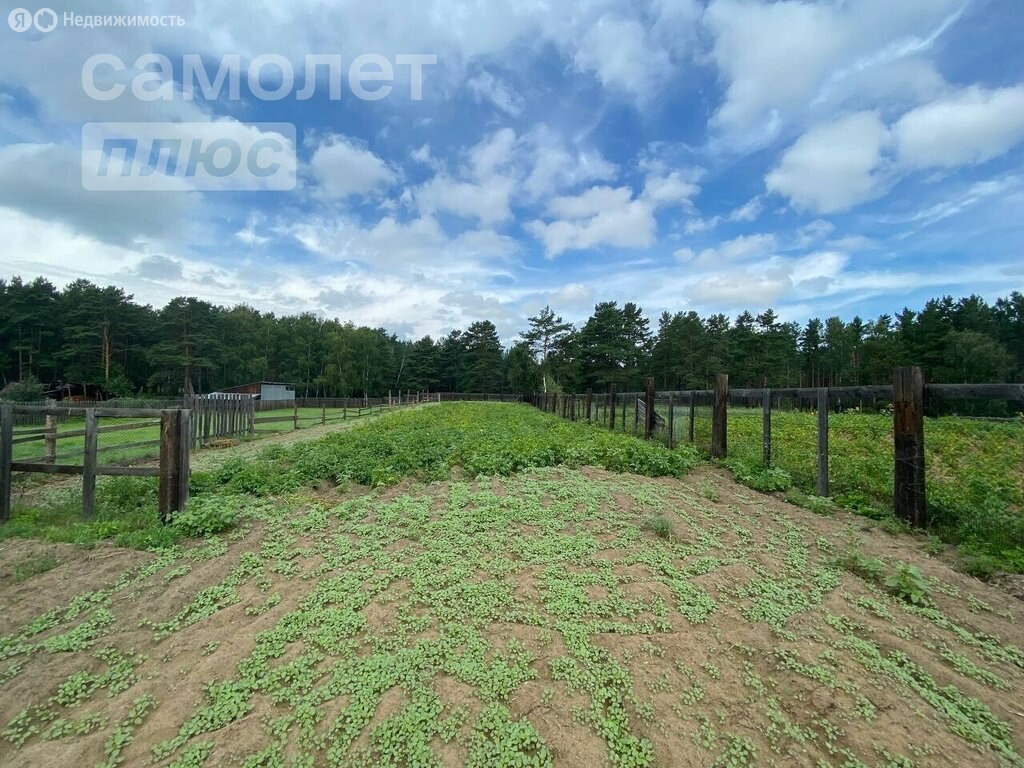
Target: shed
x=262, y=390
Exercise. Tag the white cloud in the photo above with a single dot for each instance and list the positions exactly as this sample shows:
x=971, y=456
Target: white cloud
x=553, y=165
x=487, y=201
x=749, y=211
x=670, y=189
x=346, y=169
x=486, y=87
x=737, y=249
x=621, y=55
x=833, y=166
x=971, y=126
x=780, y=58
x=599, y=216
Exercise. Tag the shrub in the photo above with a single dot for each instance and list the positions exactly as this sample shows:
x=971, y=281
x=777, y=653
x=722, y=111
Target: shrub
x=907, y=583
x=206, y=516
x=28, y=390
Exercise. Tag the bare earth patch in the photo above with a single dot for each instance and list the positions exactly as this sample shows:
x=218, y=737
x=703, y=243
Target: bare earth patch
x=536, y=619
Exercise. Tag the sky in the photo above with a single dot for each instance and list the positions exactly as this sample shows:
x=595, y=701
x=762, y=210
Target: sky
x=820, y=158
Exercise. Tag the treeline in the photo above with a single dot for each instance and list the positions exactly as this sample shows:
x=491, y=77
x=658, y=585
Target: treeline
x=100, y=335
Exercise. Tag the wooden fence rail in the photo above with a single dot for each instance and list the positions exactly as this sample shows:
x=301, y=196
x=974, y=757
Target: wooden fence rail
x=174, y=446
x=908, y=394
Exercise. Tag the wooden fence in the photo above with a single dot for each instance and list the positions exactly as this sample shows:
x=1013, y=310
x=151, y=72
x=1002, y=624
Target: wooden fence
x=171, y=446
x=908, y=394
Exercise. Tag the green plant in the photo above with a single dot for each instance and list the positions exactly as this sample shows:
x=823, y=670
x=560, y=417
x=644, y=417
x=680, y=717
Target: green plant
x=206, y=515
x=660, y=526
x=907, y=583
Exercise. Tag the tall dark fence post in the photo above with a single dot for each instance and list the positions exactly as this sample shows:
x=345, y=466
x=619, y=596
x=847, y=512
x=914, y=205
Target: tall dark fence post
x=649, y=408
x=6, y=457
x=692, y=417
x=909, y=497
x=822, y=441
x=720, y=417
x=611, y=405
x=170, y=461
x=766, y=428
x=89, y=464
x=588, y=407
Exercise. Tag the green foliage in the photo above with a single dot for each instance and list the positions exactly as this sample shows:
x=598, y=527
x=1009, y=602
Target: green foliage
x=907, y=583
x=428, y=444
x=759, y=477
x=28, y=390
x=660, y=526
x=206, y=515
x=40, y=564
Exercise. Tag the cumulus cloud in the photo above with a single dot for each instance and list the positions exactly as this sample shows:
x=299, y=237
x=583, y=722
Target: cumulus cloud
x=601, y=216
x=345, y=168
x=971, y=126
x=737, y=249
x=834, y=166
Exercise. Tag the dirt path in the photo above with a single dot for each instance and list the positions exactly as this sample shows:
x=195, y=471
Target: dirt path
x=555, y=617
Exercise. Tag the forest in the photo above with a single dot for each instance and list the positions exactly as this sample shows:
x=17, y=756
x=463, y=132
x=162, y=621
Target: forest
x=100, y=335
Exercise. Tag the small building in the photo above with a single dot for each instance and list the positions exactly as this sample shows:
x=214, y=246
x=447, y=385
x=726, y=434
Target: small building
x=76, y=392
x=260, y=390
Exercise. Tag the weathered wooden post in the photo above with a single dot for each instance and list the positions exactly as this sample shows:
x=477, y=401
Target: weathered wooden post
x=636, y=415
x=295, y=414
x=184, y=455
x=670, y=425
x=323, y=414
x=611, y=406
x=909, y=496
x=766, y=427
x=822, y=441
x=6, y=457
x=692, y=418
x=720, y=418
x=589, y=405
x=50, y=439
x=649, y=413
x=89, y=464
x=170, y=460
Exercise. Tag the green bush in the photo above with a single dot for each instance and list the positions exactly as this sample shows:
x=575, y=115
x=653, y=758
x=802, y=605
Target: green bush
x=206, y=516
x=28, y=390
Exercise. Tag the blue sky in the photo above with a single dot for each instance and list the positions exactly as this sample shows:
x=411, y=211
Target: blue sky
x=847, y=157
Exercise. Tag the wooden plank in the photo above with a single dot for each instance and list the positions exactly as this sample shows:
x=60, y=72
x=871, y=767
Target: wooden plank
x=823, y=442
x=89, y=465
x=6, y=456
x=273, y=419
x=125, y=446
x=184, y=452
x=766, y=427
x=589, y=407
x=649, y=412
x=909, y=497
x=976, y=391
x=49, y=469
x=720, y=418
x=611, y=403
x=170, y=433
x=126, y=413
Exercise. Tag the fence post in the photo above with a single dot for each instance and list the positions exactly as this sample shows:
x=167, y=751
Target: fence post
x=6, y=457
x=184, y=454
x=636, y=415
x=611, y=403
x=670, y=425
x=822, y=441
x=589, y=404
x=649, y=408
x=170, y=461
x=720, y=418
x=766, y=428
x=323, y=414
x=51, y=438
x=909, y=497
x=295, y=414
x=89, y=465
x=692, y=418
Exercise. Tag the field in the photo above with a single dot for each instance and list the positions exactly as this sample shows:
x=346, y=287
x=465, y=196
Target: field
x=974, y=468
x=120, y=446
x=488, y=585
